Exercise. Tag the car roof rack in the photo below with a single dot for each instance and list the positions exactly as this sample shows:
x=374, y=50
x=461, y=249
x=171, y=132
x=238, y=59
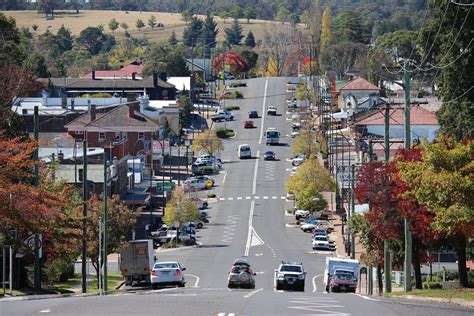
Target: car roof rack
x=291, y=262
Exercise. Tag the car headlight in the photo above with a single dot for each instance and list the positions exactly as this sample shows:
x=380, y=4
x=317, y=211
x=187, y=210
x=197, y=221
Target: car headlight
x=301, y=277
x=280, y=276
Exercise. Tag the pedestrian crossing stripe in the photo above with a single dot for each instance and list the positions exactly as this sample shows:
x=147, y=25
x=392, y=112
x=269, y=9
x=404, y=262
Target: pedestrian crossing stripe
x=257, y=197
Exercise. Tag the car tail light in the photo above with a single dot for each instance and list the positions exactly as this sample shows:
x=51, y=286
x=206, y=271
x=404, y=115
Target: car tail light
x=153, y=272
x=125, y=270
x=177, y=272
x=145, y=269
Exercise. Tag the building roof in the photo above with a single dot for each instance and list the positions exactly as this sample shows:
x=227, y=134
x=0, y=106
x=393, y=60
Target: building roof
x=125, y=72
x=359, y=84
x=418, y=116
x=81, y=83
x=114, y=119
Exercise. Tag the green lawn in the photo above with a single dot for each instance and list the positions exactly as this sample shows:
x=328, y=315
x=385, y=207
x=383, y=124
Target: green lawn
x=113, y=279
x=465, y=294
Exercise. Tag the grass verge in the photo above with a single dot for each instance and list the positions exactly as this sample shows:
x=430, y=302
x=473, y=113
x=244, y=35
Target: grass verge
x=465, y=294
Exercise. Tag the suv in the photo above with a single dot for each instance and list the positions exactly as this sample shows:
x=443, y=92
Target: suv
x=290, y=275
x=241, y=275
x=271, y=110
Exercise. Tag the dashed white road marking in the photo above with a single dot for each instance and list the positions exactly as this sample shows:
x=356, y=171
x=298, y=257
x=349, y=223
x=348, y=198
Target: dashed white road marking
x=253, y=293
x=265, y=197
x=221, y=199
x=274, y=197
x=230, y=199
x=239, y=198
x=283, y=197
x=257, y=198
x=366, y=297
x=225, y=176
x=44, y=311
x=248, y=197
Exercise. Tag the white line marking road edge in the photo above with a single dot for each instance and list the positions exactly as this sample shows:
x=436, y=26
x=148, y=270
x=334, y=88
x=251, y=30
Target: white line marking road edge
x=314, y=282
x=255, y=171
x=263, y=111
x=249, y=234
x=196, y=277
x=253, y=293
x=225, y=175
x=366, y=297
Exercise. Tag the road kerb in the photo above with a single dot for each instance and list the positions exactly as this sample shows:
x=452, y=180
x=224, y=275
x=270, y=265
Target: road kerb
x=457, y=301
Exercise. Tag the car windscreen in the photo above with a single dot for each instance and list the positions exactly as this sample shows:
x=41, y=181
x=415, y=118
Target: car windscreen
x=344, y=276
x=290, y=269
x=244, y=148
x=165, y=266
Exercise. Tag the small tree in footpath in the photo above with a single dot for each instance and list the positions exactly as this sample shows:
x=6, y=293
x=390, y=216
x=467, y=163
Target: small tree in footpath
x=307, y=144
x=208, y=142
x=310, y=173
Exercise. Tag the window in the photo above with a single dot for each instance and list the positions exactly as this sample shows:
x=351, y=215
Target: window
x=141, y=135
x=79, y=132
x=101, y=136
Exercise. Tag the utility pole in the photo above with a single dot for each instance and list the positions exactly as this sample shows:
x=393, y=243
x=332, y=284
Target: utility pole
x=386, y=251
x=105, y=222
x=408, y=245
x=84, y=216
x=370, y=269
x=352, y=209
x=37, y=263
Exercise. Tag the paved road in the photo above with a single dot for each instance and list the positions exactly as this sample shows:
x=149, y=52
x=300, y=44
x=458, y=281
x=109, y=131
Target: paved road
x=248, y=219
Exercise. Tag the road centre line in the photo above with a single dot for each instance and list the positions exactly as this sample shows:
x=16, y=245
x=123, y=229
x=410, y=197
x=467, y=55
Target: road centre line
x=249, y=234
x=314, y=282
x=263, y=111
x=255, y=171
x=265, y=197
x=225, y=175
x=196, y=277
x=239, y=198
x=248, y=197
x=253, y=293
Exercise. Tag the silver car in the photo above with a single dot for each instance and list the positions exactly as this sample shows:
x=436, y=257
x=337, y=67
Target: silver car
x=167, y=273
x=241, y=275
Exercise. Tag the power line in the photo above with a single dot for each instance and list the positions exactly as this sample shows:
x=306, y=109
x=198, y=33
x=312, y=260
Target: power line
x=459, y=97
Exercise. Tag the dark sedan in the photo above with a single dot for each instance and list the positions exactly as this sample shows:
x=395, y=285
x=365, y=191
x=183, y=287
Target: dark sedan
x=253, y=114
x=269, y=155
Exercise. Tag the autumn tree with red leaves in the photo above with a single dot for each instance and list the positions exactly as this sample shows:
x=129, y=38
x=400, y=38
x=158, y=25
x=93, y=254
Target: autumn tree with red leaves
x=237, y=63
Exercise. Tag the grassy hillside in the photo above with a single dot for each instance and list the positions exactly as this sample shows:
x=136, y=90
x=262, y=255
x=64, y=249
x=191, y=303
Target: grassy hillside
x=172, y=22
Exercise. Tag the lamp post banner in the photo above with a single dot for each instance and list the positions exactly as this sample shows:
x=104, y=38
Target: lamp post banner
x=161, y=147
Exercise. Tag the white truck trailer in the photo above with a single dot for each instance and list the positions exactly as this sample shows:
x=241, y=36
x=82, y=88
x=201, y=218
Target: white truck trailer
x=137, y=260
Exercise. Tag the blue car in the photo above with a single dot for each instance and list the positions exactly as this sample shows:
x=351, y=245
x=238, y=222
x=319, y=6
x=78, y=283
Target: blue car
x=269, y=155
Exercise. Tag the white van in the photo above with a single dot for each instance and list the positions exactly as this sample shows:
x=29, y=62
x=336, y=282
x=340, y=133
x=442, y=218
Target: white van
x=244, y=151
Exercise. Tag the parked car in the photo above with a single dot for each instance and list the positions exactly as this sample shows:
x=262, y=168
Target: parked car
x=241, y=275
x=248, y=124
x=297, y=161
x=210, y=182
x=167, y=273
x=222, y=115
x=269, y=155
x=290, y=275
x=253, y=114
x=196, y=224
x=194, y=185
x=203, y=168
x=301, y=214
x=290, y=196
x=309, y=226
x=321, y=242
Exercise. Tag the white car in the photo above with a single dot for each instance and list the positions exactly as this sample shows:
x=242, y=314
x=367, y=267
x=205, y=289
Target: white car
x=323, y=243
x=208, y=159
x=194, y=185
x=167, y=273
x=294, y=134
x=301, y=214
x=298, y=160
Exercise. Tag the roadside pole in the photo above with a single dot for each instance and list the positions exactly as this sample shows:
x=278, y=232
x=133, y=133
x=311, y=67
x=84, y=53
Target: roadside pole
x=387, y=258
x=37, y=263
x=84, y=216
x=370, y=268
x=4, y=268
x=408, y=245
x=99, y=280
x=105, y=221
x=352, y=209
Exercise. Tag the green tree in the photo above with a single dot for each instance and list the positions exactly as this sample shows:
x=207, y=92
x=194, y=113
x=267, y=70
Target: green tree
x=325, y=30
x=342, y=56
x=192, y=32
x=249, y=13
x=310, y=173
x=124, y=26
x=173, y=40
x=236, y=12
x=310, y=199
x=208, y=142
x=251, y=57
x=113, y=25
x=307, y=144
x=347, y=26
x=249, y=40
x=64, y=39
x=121, y=221
x=224, y=15
x=92, y=39
x=304, y=18
x=10, y=49
x=139, y=24
x=186, y=16
x=443, y=181
x=181, y=209
x=152, y=22
x=282, y=14
x=400, y=44
x=208, y=34
x=449, y=34
x=185, y=109
x=233, y=35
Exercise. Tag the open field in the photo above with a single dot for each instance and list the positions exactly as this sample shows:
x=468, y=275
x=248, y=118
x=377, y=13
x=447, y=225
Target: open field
x=172, y=22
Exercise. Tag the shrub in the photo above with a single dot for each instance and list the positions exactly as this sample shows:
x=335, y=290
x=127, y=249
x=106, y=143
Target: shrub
x=57, y=270
x=232, y=108
x=450, y=275
x=470, y=278
x=432, y=285
x=234, y=95
x=224, y=133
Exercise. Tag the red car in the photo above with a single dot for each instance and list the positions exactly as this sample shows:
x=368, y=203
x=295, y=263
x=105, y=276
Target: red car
x=248, y=124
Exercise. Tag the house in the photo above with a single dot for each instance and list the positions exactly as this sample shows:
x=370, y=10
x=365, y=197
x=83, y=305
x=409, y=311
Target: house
x=124, y=128
x=155, y=86
x=201, y=67
x=132, y=71
x=358, y=94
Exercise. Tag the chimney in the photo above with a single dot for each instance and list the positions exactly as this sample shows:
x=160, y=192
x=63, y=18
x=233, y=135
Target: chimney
x=72, y=104
x=163, y=76
x=155, y=79
x=134, y=75
x=93, y=112
x=93, y=74
x=131, y=110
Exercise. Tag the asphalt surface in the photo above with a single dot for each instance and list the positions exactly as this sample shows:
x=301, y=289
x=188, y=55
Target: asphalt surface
x=247, y=220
